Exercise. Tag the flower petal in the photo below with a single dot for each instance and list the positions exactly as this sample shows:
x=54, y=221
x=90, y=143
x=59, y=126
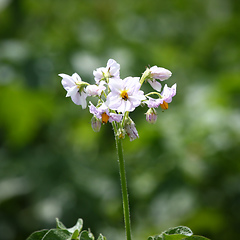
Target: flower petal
x=155, y=85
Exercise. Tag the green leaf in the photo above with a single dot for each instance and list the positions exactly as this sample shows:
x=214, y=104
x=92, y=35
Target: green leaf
x=38, y=235
x=176, y=233
x=196, y=238
x=57, y=234
x=75, y=230
x=60, y=225
x=77, y=227
x=157, y=237
x=173, y=237
x=86, y=235
x=179, y=230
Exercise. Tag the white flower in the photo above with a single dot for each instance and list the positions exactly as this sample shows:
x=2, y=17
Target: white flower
x=95, y=90
x=160, y=74
x=75, y=88
x=125, y=94
x=110, y=71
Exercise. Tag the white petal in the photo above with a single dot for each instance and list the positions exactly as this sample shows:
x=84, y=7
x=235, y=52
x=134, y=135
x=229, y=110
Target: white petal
x=155, y=85
x=72, y=91
x=116, y=85
x=67, y=81
x=160, y=73
x=76, y=77
x=122, y=107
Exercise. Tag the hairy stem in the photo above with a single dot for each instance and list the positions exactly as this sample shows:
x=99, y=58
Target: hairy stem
x=121, y=163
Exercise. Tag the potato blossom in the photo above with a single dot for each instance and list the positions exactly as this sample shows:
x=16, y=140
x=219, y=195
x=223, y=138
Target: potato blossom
x=125, y=94
x=116, y=98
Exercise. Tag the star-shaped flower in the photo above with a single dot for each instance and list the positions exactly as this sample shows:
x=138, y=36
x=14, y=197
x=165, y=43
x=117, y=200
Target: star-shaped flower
x=125, y=94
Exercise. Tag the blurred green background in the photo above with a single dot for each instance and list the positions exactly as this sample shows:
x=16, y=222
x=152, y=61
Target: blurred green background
x=184, y=170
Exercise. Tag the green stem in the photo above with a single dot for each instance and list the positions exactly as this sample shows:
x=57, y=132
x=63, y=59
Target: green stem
x=123, y=179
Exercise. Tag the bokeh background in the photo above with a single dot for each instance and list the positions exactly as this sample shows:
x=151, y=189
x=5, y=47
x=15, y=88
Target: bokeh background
x=184, y=170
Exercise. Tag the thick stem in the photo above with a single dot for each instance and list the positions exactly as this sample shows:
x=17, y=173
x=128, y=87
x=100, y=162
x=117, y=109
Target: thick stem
x=123, y=179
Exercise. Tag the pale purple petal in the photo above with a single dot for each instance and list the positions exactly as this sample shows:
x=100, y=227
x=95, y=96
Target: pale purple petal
x=168, y=93
x=115, y=117
x=154, y=103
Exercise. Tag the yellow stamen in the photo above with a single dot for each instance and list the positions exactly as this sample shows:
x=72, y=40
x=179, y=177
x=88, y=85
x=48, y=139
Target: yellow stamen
x=164, y=105
x=105, y=118
x=124, y=95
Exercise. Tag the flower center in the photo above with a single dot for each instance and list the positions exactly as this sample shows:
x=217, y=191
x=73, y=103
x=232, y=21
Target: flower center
x=164, y=105
x=105, y=118
x=124, y=95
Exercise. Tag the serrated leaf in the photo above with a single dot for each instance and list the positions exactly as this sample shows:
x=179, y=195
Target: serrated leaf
x=86, y=235
x=38, y=235
x=57, y=234
x=101, y=237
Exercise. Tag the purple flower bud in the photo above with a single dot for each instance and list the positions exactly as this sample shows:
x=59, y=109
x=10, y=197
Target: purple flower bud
x=151, y=115
x=96, y=124
x=130, y=129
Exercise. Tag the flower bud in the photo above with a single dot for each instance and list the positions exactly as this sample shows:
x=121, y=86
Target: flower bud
x=151, y=115
x=131, y=129
x=96, y=124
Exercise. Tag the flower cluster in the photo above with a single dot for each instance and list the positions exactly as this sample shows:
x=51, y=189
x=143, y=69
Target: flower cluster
x=117, y=97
